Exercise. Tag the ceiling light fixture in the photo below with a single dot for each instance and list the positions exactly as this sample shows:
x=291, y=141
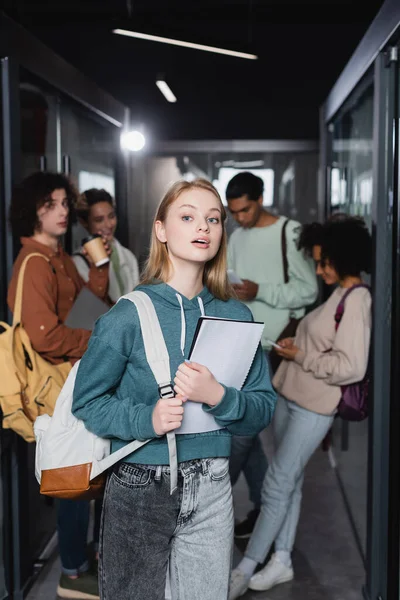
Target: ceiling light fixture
x=166, y=90
x=134, y=141
x=164, y=40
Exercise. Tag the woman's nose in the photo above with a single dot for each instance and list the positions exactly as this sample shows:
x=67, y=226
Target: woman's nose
x=204, y=226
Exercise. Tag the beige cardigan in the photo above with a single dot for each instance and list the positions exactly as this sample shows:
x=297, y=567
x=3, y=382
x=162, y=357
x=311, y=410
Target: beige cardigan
x=328, y=358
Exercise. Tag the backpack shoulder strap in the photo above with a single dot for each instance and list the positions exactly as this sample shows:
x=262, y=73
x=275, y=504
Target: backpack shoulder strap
x=284, y=252
x=154, y=343
x=158, y=360
x=20, y=285
x=340, y=307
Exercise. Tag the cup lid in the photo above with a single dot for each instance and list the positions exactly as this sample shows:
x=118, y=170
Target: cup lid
x=88, y=238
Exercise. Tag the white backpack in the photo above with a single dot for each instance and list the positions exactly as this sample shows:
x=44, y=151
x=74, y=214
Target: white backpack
x=71, y=462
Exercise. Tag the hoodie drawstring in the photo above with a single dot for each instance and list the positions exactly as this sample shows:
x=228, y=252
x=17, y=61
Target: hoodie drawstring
x=201, y=305
x=183, y=324
x=183, y=319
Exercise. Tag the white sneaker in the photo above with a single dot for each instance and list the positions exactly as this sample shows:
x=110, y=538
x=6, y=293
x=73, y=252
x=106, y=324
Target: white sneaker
x=273, y=573
x=238, y=585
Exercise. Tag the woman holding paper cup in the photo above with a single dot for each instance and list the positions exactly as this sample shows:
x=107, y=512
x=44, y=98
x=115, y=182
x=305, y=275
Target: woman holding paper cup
x=145, y=526
x=40, y=215
x=325, y=355
x=96, y=211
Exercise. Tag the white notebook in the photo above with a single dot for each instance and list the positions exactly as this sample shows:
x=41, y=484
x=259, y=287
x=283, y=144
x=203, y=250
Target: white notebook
x=227, y=348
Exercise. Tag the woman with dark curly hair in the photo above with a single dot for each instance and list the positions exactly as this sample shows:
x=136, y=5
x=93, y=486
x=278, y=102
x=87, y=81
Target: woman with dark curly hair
x=317, y=362
x=40, y=212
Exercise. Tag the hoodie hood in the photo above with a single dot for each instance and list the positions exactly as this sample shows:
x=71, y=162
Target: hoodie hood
x=167, y=295
x=190, y=310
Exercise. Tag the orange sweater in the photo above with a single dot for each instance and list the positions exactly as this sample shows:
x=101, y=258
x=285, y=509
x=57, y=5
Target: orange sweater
x=49, y=292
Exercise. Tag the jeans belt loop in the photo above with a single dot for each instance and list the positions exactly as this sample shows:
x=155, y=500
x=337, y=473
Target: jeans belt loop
x=158, y=473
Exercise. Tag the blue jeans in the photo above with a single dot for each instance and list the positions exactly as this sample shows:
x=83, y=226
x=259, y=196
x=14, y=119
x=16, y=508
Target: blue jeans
x=298, y=433
x=247, y=455
x=72, y=528
x=144, y=528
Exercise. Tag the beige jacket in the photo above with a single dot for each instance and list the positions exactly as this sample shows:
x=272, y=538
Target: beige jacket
x=328, y=358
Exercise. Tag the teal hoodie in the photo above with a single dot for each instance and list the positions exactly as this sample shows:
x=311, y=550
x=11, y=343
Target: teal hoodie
x=115, y=390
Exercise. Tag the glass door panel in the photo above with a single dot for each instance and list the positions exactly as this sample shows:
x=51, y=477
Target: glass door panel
x=351, y=193
x=39, y=119
x=89, y=148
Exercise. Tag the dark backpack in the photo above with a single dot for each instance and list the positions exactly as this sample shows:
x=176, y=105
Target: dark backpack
x=353, y=405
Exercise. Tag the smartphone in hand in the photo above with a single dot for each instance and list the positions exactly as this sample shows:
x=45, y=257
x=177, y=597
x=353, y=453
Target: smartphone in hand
x=274, y=345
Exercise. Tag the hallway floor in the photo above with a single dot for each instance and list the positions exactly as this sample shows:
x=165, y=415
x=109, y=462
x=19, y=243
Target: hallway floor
x=326, y=560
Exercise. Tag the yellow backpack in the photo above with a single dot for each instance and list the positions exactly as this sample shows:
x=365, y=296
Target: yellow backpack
x=29, y=385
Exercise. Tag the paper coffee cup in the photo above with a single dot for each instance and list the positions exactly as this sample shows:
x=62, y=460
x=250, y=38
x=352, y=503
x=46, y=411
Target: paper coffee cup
x=94, y=246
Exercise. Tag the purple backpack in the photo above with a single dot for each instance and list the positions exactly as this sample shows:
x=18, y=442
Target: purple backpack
x=353, y=405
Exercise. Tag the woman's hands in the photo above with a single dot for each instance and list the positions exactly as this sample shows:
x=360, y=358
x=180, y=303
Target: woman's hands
x=168, y=414
x=195, y=382
x=247, y=290
x=287, y=349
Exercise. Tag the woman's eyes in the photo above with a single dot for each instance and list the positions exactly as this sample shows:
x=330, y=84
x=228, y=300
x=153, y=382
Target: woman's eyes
x=188, y=218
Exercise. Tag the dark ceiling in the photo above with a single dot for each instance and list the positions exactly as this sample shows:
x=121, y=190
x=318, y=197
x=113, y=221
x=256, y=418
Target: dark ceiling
x=302, y=48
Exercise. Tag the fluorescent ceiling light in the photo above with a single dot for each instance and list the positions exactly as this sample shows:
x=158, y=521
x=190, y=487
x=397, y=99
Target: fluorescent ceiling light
x=166, y=90
x=164, y=40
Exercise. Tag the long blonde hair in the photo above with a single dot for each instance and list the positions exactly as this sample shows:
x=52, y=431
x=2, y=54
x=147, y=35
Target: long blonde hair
x=158, y=265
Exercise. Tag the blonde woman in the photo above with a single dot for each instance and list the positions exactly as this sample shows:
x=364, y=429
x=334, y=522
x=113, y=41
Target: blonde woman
x=96, y=212
x=143, y=526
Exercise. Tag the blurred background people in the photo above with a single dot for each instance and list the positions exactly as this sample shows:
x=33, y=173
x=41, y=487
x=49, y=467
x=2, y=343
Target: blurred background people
x=278, y=283
x=40, y=215
x=96, y=212
x=323, y=356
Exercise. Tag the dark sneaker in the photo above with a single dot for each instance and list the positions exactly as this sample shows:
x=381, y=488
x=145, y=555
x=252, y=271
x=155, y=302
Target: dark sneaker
x=244, y=529
x=84, y=587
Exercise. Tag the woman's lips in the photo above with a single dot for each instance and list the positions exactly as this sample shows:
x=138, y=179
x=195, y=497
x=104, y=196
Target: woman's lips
x=202, y=245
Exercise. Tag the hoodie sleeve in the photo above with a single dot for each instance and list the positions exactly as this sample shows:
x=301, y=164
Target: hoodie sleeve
x=97, y=400
x=249, y=410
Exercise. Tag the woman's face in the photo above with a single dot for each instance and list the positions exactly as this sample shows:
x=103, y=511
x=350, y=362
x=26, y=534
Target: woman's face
x=325, y=271
x=53, y=215
x=102, y=219
x=193, y=227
